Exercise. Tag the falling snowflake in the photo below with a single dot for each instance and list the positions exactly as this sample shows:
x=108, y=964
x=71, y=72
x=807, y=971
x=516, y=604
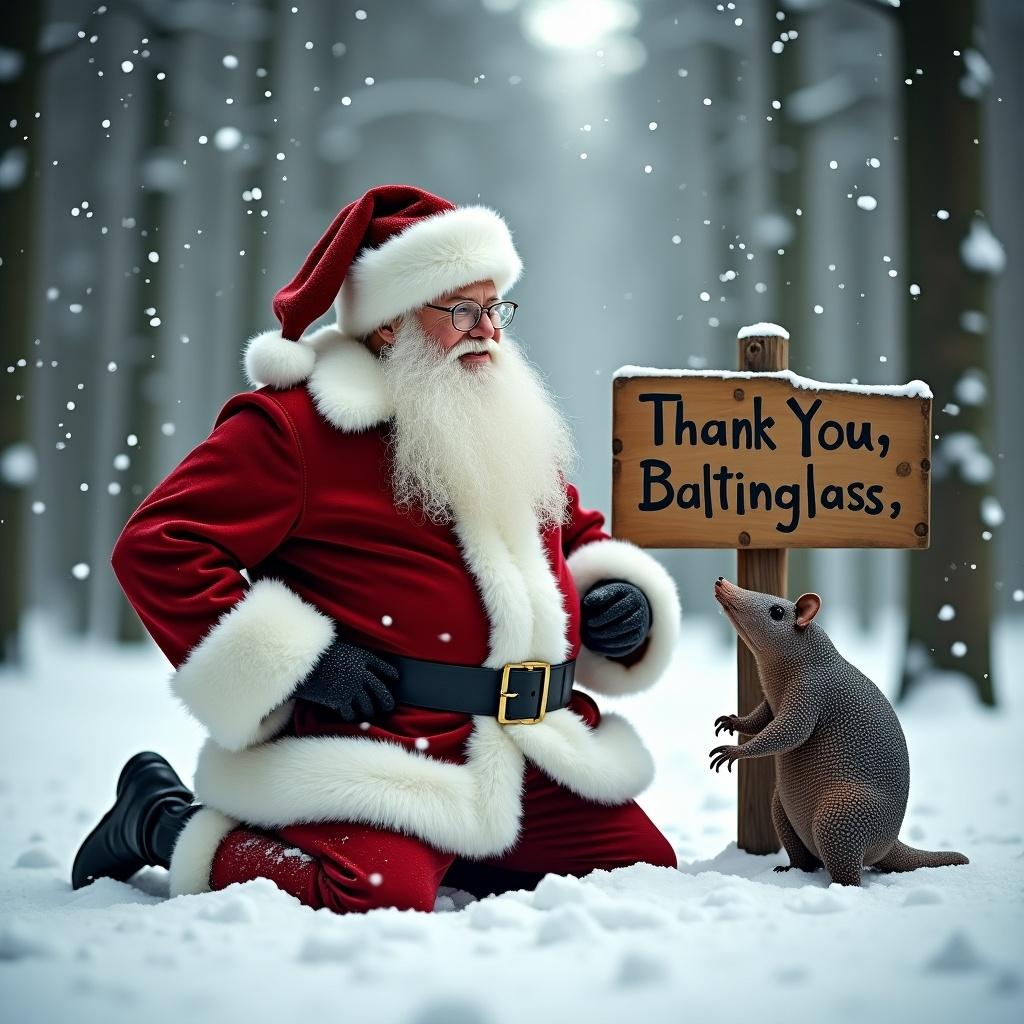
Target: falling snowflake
x=228, y=138
x=981, y=251
x=18, y=464
x=992, y=513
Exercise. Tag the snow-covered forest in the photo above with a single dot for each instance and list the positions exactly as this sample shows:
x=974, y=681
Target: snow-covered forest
x=672, y=170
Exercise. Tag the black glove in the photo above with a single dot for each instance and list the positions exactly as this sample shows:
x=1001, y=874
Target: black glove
x=350, y=681
x=616, y=618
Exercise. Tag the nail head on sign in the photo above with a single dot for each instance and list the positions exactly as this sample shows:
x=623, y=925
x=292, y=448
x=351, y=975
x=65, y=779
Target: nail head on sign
x=738, y=394
x=921, y=529
x=903, y=469
x=616, y=446
x=744, y=539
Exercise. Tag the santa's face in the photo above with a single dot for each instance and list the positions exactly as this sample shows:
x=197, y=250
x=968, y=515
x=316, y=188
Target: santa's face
x=470, y=348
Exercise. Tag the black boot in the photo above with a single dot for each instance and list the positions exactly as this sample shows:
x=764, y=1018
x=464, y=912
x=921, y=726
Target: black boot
x=141, y=828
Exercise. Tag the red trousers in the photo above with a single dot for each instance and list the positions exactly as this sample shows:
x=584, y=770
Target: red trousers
x=349, y=867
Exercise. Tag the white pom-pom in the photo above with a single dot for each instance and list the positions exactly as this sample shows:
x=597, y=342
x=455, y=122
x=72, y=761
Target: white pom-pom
x=274, y=360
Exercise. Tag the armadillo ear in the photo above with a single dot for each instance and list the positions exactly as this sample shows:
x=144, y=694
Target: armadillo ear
x=807, y=606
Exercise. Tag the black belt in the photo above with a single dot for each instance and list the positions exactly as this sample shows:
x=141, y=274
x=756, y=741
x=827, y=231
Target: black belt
x=519, y=693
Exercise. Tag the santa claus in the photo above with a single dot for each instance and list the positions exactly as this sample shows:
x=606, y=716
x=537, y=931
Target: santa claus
x=378, y=590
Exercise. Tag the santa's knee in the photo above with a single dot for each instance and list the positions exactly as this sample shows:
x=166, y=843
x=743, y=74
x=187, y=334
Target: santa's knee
x=246, y=854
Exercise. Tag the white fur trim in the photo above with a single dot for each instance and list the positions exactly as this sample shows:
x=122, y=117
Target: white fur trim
x=347, y=383
x=433, y=256
x=472, y=809
x=621, y=560
x=236, y=679
x=608, y=765
x=195, y=849
x=272, y=359
x=518, y=589
x=345, y=378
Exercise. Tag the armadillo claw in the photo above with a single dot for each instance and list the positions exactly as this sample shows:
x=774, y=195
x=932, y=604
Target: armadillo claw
x=726, y=722
x=782, y=867
x=723, y=755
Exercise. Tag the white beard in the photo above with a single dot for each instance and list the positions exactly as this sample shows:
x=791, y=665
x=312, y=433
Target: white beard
x=484, y=440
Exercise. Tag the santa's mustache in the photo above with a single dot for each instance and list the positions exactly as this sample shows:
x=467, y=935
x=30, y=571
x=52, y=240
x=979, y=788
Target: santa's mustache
x=471, y=346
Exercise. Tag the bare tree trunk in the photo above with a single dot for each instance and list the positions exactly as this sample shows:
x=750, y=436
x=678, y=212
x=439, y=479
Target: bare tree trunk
x=295, y=221
x=19, y=31
x=943, y=166
x=253, y=287
x=121, y=341
x=186, y=336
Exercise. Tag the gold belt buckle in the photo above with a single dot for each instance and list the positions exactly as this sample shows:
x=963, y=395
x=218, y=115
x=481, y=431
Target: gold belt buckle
x=505, y=695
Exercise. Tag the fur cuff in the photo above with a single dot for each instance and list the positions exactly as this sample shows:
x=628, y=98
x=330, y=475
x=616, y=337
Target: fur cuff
x=195, y=849
x=621, y=560
x=238, y=679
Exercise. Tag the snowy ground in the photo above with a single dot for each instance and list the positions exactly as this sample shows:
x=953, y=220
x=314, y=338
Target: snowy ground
x=724, y=936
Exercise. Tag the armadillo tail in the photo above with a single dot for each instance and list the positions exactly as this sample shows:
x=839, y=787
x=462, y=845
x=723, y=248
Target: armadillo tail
x=906, y=858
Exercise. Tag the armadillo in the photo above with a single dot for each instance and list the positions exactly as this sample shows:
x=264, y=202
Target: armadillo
x=842, y=769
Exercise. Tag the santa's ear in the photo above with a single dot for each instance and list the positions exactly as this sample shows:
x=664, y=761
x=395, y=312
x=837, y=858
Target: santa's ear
x=380, y=338
x=807, y=606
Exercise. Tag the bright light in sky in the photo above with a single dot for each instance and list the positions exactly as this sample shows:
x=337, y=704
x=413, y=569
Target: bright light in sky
x=577, y=24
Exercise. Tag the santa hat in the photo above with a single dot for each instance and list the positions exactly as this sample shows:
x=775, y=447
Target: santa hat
x=389, y=252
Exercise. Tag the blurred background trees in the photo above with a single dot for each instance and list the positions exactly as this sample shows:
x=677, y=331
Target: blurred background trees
x=672, y=170
x=953, y=256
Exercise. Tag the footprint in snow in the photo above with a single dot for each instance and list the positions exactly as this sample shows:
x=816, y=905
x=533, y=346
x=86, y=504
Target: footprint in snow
x=37, y=857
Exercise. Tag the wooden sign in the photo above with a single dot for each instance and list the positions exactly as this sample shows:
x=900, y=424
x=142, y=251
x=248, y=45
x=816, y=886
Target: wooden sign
x=768, y=460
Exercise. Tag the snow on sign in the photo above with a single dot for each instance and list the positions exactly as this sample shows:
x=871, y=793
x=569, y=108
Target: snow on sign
x=716, y=459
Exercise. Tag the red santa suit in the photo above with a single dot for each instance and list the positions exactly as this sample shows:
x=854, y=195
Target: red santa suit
x=279, y=533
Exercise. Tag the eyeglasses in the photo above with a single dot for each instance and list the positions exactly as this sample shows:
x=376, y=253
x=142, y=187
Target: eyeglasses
x=466, y=315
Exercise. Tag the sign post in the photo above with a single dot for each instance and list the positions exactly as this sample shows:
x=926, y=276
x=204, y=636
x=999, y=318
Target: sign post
x=760, y=460
x=764, y=570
